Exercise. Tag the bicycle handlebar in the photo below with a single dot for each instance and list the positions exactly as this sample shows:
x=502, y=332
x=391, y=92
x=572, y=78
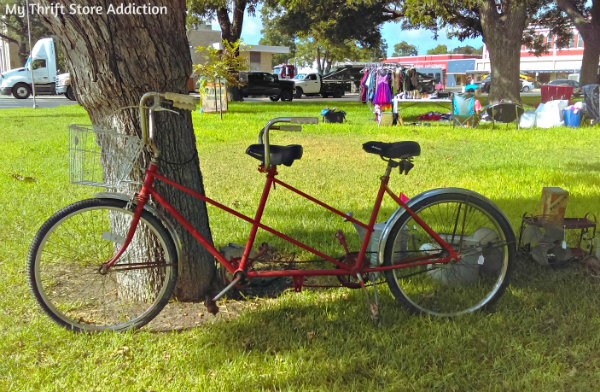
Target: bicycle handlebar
x=179, y=101
x=304, y=120
x=289, y=128
x=269, y=126
x=186, y=102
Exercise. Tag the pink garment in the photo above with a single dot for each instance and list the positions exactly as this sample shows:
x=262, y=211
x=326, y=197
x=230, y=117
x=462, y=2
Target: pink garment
x=477, y=106
x=363, y=91
x=383, y=95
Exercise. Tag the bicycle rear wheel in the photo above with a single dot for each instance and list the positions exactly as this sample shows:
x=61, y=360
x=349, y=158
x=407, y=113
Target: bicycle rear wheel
x=473, y=227
x=64, y=262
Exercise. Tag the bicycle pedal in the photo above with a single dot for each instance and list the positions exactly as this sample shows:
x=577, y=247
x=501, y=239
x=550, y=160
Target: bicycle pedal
x=211, y=305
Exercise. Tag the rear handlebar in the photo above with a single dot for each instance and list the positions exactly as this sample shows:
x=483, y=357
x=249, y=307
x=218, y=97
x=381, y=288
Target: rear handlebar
x=270, y=125
x=185, y=102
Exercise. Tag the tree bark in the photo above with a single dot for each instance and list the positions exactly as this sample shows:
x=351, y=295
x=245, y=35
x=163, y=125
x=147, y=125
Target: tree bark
x=589, y=28
x=502, y=32
x=113, y=60
x=23, y=52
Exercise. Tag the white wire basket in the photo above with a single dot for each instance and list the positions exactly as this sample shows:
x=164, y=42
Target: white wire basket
x=102, y=157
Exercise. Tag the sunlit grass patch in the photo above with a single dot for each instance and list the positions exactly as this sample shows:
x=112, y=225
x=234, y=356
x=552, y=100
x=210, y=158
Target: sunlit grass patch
x=541, y=336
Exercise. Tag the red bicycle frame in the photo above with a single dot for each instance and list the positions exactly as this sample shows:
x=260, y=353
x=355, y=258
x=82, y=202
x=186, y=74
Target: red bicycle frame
x=243, y=268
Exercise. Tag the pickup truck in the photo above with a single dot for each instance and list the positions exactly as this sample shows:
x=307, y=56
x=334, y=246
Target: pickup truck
x=315, y=84
x=266, y=84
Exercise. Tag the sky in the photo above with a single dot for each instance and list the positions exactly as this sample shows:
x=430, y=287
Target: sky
x=391, y=32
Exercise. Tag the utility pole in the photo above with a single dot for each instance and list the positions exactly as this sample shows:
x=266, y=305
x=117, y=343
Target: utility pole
x=30, y=55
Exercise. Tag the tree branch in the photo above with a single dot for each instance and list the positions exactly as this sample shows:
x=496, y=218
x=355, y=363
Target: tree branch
x=393, y=14
x=9, y=39
x=569, y=8
x=224, y=23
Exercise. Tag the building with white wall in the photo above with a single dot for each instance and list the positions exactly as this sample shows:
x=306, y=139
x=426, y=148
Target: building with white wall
x=556, y=64
x=259, y=56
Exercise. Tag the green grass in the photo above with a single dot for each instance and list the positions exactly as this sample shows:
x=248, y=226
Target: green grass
x=542, y=336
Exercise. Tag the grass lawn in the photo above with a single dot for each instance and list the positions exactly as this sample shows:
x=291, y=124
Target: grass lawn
x=543, y=334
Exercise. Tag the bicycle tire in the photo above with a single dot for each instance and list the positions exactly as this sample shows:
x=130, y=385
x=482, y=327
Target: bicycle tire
x=476, y=281
x=67, y=283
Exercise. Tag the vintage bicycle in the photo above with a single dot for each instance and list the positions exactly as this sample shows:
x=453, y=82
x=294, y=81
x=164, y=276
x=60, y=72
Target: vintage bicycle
x=111, y=262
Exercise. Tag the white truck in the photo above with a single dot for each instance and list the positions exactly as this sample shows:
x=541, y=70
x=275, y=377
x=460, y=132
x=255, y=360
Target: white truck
x=41, y=66
x=315, y=84
x=63, y=86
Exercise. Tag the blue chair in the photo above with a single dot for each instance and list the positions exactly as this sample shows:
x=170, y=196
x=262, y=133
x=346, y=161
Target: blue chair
x=463, y=111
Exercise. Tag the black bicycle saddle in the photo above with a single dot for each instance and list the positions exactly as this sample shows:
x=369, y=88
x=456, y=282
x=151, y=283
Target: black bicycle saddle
x=398, y=150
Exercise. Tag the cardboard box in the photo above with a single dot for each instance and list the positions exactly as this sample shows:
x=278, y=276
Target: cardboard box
x=554, y=204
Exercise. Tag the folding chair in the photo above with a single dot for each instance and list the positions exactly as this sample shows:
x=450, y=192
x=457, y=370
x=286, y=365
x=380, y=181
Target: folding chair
x=462, y=110
x=591, y=94
x=505, y=112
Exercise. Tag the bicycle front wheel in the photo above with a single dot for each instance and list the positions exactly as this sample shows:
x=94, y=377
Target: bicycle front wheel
x=64, y=263
x=477, y=230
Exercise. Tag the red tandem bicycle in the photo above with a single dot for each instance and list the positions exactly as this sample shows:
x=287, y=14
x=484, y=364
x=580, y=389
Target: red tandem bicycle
x=111, y=262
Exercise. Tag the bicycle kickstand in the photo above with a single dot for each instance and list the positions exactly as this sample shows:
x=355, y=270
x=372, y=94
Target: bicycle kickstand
x=373, y=307
x=211, y=303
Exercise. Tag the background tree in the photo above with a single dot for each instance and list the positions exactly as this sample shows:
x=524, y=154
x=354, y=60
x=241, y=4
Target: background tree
x=500, y=23
x=560, y=16
x=113, y=60
x=467, y=49
x=404, y=49
x=440, y=49
x=231, y=27
x=330, y=20
x=321, y=30
x=587, y=21
x=271, y=35
x=13, y=28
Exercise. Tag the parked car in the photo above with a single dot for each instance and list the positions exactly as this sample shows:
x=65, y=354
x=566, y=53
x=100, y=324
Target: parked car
x=485, y=83
x=566, y=82
x=526, y=86
x=266, y=84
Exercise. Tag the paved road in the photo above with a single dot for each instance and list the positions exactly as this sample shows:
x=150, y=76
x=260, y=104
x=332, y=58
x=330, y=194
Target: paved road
x=47, y=101
x=50, y=101
x=354, y=97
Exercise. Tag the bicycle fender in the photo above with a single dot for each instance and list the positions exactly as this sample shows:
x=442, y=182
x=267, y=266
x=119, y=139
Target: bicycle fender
x=151, y=209
x=414, y=200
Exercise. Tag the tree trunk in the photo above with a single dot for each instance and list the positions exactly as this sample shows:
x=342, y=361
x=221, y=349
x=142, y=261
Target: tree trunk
x=502, y=33
x=231, y=31
x=23, y=52
x=591, y=57
x=319, y=67
x=113, y=60
x=589, y=28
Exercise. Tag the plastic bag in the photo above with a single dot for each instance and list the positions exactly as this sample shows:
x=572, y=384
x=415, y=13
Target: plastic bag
x=527, y=119
x=550, y=114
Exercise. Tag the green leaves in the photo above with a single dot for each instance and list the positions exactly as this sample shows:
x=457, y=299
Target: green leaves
x=224, y=63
